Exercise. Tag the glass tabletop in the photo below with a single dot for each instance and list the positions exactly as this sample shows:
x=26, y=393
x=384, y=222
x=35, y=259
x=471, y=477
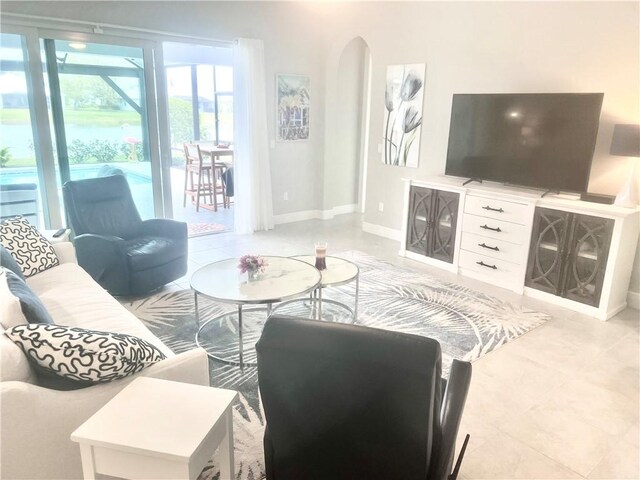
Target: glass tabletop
x=283, y=278
x=338, y=270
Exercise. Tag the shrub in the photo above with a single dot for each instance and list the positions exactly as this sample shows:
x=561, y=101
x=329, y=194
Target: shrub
x=125, y=149
x=79, y=151
x=5, y=156
x=102, y=151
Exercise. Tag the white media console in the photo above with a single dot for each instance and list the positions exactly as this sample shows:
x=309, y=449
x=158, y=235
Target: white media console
x=559, y=249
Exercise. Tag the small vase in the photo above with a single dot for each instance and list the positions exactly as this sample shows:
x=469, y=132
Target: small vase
x=252, y=275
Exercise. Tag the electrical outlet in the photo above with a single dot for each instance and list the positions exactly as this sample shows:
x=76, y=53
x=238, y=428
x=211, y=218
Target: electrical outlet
x=381, y=207
x=286, y=196
x=379, y=148
x=272, y=144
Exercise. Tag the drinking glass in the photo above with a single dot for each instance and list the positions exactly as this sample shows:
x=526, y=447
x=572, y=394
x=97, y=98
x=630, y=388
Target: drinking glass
x=321, y=253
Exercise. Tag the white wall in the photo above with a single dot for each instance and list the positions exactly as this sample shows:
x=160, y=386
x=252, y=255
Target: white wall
x=497, y=47
x=342, y=164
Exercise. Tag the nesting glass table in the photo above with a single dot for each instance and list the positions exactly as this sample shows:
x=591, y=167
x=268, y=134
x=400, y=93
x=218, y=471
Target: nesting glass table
x=283, y=279
x=230, y=337
x=338, y=272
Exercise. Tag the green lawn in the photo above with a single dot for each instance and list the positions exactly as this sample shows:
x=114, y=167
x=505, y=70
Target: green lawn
x=20, y=162
x=98, y=118
x=31, y=162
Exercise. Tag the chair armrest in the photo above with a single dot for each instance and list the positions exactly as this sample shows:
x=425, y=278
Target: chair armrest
x=104, y=258
x=65, y=252
x=453, y=400
x=163, y=227
x=37, y=422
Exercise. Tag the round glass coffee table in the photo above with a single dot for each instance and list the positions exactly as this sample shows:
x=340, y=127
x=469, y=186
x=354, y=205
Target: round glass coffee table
x=283, y=279
x=338, y=272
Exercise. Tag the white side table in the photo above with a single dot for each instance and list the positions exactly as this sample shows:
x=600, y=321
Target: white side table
x=159, y=429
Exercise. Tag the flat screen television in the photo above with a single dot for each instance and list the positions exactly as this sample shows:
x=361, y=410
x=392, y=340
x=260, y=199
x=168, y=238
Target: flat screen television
x=540, y=140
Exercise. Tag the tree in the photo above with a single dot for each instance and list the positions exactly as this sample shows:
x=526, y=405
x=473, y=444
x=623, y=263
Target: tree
x=181, y=120
x=88, y=91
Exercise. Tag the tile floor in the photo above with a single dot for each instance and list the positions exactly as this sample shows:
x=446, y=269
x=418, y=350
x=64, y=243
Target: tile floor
x=559, y=402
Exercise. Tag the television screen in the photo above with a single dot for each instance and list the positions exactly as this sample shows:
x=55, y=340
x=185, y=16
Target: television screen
x=541, y=140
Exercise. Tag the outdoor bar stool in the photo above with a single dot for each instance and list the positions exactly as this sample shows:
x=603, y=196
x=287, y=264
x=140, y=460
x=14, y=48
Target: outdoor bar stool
x=219, y=186
x=194, y=164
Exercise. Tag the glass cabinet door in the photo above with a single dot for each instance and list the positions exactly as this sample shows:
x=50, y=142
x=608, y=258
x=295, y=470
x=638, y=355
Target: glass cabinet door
x=444, y=226
x=548, y=239
x=420, y=219
x=588, y=249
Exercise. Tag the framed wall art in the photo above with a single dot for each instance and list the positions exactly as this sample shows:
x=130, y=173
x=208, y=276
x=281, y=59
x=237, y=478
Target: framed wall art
x=293, y=102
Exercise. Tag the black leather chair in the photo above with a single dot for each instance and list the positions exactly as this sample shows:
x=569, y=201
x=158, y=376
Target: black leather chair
x=345, y=402
x=123, y=253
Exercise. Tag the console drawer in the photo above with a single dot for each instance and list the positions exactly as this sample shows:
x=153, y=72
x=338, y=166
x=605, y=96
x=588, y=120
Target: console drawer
x=498, y=209
x=504, y=274
x=500, y=230
x=491, y=247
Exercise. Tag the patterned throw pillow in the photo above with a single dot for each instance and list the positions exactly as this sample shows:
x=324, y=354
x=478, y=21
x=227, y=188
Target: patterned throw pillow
x=31, y=309
x=84, y=355
x=32, y=252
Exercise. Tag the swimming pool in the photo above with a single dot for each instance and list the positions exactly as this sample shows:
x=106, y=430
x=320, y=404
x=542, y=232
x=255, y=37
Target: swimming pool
x=139, y=181
x=14, y=175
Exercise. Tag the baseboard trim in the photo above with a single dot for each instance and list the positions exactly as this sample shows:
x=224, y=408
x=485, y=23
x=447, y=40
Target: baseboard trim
x=381, y=231
x=314, y=214
x=633, y=300
x=342, y=209
x=296, y=216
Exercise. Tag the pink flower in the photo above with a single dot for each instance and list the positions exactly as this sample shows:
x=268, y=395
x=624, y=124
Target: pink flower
x=252, y=263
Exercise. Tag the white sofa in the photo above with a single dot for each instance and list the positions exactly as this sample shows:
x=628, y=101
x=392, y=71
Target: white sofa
x=36, y=421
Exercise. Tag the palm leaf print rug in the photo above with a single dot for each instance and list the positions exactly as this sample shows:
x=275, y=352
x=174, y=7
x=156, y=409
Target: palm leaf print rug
x=468, y=325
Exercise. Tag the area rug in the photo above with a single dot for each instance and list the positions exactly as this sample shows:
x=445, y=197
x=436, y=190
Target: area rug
x=468, y=325
x=199, y=229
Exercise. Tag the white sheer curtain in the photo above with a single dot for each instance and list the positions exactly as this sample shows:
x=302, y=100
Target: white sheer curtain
x=252, y=172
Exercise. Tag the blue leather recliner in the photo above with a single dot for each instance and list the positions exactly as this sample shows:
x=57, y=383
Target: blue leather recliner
x=124, y=254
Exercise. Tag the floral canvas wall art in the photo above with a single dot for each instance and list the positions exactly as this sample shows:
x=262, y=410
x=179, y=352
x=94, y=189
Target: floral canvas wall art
x=293, y=101
x=403, y=98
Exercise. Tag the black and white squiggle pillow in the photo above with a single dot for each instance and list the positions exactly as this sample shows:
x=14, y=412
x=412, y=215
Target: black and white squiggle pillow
x=31, y=251
x=84, y=355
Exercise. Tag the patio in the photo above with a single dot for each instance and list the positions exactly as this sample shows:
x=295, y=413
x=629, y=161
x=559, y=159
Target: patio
x=204, y=222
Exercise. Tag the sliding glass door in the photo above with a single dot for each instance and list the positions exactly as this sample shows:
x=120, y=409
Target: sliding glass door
x=199, y=87
x=99, y=112
x=21, y=185
x=79, y=105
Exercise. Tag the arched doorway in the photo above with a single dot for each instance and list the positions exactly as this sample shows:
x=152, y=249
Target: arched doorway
x=348, y=127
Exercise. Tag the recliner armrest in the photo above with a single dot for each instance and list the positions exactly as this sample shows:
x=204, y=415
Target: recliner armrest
x=104, y=258
x=163, y=227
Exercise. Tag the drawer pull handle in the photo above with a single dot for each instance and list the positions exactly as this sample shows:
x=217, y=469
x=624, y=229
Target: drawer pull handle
x=482, y=264
x=497, y=229
x=483, y=245
x=500, y=210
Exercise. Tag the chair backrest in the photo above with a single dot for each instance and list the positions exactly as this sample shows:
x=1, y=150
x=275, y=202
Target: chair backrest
x=102, y=206
x=192, y=154
x=347, y=402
